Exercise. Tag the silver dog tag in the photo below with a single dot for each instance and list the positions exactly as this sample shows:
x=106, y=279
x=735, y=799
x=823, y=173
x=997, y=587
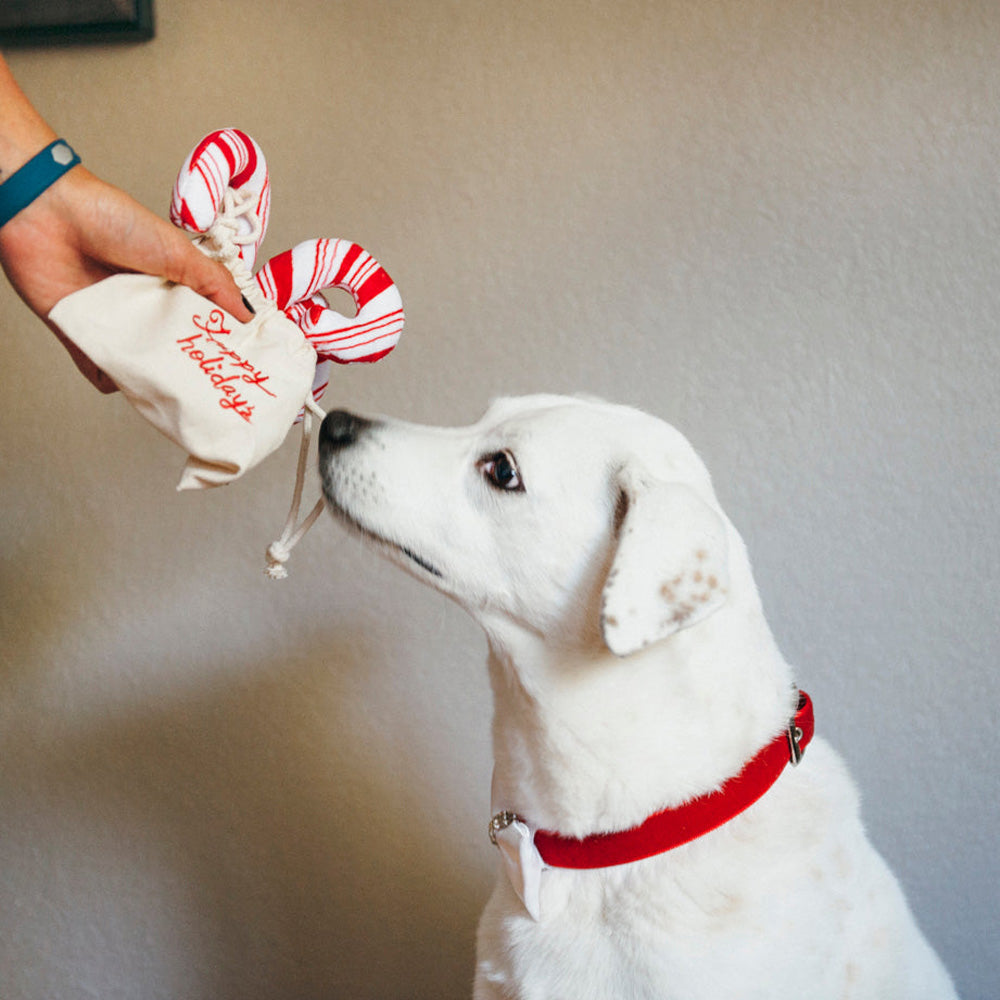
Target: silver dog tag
x=523, y=864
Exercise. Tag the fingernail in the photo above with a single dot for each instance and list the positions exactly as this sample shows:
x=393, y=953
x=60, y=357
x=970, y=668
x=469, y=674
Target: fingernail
x=247, y=304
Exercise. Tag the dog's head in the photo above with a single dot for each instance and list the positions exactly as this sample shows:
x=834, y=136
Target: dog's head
x=563, y=516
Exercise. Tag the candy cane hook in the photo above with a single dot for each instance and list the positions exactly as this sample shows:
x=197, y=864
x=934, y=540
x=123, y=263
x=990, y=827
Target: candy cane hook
x=224, y=159
x=294, y=278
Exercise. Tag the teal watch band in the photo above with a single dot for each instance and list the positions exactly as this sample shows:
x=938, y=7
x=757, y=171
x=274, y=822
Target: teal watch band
x=38, y=174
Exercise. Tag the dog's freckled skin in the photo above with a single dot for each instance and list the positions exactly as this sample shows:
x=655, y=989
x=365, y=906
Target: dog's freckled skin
x=633, y=669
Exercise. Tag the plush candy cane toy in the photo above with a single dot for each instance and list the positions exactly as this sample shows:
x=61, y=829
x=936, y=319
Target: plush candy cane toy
x=225, y=178
x=230, y=161
x=293, y=280
x=226, y=160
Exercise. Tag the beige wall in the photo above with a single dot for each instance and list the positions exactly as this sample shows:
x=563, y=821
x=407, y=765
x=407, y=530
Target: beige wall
x=776, y=225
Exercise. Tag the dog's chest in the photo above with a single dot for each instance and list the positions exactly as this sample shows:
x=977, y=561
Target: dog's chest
x=733, y=918
x=602, y=945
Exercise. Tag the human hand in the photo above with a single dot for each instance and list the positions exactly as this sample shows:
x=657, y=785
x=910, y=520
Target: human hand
x=82, y=230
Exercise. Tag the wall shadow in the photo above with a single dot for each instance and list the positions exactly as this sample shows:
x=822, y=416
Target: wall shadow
x=301, y=871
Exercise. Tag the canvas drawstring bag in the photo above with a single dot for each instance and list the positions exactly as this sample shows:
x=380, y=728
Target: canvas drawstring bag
x=226, y=392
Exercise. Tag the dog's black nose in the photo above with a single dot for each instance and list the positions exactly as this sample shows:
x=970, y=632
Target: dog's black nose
x=341, y=428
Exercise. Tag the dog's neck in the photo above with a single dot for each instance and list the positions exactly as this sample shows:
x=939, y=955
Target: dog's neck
x=585, y=741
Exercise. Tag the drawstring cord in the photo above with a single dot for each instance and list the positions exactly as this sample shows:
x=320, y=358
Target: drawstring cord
x=279, y=551
x=237, y=226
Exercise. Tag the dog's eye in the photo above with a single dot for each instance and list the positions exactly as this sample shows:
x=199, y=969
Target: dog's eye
x=500, y=471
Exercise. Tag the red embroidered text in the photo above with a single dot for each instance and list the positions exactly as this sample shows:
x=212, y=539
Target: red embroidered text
x=229, y=372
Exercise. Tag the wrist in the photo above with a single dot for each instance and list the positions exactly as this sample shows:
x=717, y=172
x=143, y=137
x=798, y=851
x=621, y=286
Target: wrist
x=20, y=142
x=19, y=189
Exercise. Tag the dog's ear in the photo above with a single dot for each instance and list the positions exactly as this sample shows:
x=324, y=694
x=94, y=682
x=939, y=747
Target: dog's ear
x=670, y=570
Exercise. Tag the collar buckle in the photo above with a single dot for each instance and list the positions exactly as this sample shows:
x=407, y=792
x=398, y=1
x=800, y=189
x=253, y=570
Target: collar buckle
x=795, y=734
x=500, y=822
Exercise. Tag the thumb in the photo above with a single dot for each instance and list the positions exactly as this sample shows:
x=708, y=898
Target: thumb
x=210, y=278
x=121, y=234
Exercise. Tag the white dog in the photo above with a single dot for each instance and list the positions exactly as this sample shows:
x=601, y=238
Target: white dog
x=633, y=675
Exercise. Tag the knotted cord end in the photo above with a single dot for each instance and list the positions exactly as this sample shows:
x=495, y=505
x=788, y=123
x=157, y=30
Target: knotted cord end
x=277, y=555
x=279, y=551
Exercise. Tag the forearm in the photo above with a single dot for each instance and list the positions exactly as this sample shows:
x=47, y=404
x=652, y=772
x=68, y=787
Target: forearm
x=23, y=131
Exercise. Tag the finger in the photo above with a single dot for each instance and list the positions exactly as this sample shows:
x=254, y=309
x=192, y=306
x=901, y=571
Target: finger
x=210, y=278
x=96, y=376
x=214, y=282
x=124, y=236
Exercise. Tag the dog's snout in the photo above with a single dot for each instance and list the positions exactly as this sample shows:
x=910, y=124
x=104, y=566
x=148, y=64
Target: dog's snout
x=341, y=428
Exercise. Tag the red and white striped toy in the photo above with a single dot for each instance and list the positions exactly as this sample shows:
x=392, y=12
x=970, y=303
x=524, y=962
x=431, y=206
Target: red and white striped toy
x=227, y=159
x=230, y=160
x=293, y=281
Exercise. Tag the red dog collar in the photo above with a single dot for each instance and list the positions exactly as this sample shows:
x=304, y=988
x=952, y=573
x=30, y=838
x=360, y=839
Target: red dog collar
x=671, y=828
